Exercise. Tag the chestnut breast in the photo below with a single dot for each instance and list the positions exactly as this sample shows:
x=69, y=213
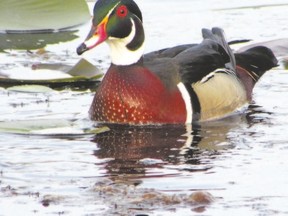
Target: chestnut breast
x=133, y=94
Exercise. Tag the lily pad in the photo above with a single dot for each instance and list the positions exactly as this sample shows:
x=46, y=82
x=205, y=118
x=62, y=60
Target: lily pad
x=82, y=76
x=86, y=69
x=49, y=127
x=75, y=83
x=284, y=62
x=32, y=41
x=31, y=89
x=38, y=15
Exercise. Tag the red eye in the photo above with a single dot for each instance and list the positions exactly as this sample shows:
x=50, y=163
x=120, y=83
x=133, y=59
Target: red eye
x=122, y=11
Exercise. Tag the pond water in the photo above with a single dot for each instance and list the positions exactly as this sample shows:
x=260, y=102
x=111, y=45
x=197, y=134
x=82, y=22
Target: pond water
x=239, y=162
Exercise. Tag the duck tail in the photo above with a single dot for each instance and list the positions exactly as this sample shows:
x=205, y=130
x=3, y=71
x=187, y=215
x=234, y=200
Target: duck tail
x=218, y=35
x=256, y=61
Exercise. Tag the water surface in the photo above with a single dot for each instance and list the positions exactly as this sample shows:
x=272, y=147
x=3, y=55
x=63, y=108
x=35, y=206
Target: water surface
x=241, y=160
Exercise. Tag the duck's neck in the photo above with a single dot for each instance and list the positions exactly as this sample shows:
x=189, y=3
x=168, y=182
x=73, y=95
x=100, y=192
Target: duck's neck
x=128, y=50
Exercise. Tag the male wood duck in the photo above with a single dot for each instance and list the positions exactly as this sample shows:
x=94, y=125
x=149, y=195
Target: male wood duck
x=183, y=84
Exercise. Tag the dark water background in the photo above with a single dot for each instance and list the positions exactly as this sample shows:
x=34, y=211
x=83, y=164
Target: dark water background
x=241, y=160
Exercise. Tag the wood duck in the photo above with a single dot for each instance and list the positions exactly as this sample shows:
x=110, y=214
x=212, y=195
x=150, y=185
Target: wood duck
x=182, y=84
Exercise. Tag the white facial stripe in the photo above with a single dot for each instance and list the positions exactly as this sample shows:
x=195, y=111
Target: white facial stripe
x=109, y=13
x=187, y=99
x=120, y=54
x=91, y=42
x=130, y=37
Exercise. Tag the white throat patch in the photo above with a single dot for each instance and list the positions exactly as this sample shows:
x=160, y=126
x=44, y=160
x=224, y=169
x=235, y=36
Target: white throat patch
x=120, y=54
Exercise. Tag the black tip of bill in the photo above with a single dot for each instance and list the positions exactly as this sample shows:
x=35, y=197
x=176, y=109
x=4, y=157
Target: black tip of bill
x=81, y=49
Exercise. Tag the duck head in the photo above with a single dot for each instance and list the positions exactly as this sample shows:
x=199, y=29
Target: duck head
x=119, y=23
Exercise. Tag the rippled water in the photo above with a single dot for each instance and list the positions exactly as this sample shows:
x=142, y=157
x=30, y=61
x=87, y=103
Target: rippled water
x=241, y=161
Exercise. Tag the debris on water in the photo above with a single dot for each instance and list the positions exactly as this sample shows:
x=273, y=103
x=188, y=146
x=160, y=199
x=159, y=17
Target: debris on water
x=130, y=196
x=201, y=197
x=47, y=200
x=41, y=51
x=8, y=191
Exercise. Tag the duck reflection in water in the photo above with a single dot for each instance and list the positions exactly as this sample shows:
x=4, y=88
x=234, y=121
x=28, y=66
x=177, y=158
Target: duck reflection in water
x=131, y=147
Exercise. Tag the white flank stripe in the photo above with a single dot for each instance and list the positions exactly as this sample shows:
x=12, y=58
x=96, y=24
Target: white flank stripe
x=187, y=99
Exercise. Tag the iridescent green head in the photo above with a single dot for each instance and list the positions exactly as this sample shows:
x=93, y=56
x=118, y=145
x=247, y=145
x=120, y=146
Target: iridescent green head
x=115, y=19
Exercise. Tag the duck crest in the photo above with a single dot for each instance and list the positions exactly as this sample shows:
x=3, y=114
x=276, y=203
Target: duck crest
x=132, y=94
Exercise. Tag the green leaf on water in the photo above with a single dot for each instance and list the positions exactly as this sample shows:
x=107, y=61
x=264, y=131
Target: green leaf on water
x=42, y=15
x=33, y=41
x=86, y=69
x=49, y=127
x=29, y=21
x=284, y=62
x=84, y=75
x=74, y=83
x=31, y=89
x=98, y=130
x=28, y=126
